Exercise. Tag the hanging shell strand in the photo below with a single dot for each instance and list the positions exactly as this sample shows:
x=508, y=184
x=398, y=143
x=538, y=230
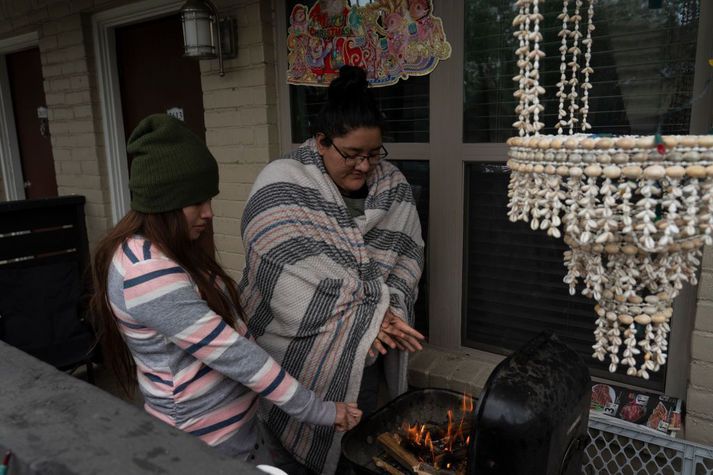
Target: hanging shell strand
x=634, y=212
x=635, y=220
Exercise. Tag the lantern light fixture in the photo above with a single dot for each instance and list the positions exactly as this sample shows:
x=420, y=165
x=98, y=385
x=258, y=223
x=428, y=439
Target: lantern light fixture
x=206, y=35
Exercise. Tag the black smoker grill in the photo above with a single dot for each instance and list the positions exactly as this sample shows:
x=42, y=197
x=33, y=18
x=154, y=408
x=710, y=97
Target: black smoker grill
x=531, y=418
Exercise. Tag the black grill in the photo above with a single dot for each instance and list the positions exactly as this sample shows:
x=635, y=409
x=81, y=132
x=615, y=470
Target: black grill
x=531, y=418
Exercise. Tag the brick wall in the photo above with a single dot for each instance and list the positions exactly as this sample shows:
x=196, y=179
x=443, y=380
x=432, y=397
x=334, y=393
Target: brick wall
x=240, y=107
x=241, y=121
x=699, y=401
x=71, y=99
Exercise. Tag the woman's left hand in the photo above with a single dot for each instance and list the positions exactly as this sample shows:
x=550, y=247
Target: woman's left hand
x=401, y=334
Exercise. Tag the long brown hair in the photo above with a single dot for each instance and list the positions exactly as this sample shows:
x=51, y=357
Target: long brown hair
x=169, y=232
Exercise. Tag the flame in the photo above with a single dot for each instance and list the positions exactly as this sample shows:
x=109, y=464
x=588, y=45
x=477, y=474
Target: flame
x=419, y=435
x=467, y=404
x=429, y=443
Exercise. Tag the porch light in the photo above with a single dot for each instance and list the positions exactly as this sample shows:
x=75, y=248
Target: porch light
x=205, y=34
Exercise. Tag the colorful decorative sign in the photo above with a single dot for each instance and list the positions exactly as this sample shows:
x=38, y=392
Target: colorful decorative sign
x=390, y=39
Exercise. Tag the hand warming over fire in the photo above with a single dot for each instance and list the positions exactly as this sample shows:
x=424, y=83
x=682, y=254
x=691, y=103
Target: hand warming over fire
x=396, y=333
x=348, y=416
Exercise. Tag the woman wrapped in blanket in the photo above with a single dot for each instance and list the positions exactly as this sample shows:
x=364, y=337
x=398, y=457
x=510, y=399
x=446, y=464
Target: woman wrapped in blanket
x=169, y=317
x=334, y=255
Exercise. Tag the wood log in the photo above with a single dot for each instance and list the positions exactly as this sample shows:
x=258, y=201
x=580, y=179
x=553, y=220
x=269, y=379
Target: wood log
x=386, y=466
x=392, y=446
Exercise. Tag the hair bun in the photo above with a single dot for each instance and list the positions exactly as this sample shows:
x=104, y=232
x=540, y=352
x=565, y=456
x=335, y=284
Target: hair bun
x=351, y=81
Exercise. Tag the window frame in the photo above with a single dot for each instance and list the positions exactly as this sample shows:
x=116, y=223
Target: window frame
x=448, y=154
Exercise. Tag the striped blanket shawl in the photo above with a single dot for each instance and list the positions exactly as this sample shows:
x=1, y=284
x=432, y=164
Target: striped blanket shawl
x=317, y=284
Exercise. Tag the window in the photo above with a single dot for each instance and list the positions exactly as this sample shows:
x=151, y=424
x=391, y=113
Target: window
x=644, y=61
x=405, y=105
x=513, y=279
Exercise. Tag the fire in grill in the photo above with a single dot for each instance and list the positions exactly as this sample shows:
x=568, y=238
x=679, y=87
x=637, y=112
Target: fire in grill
x=531, y=419
x=412, y=434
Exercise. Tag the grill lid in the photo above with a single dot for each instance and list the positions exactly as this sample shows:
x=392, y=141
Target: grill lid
x=533, y=412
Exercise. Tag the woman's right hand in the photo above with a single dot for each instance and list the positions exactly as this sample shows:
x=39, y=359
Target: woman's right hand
x=348, y=416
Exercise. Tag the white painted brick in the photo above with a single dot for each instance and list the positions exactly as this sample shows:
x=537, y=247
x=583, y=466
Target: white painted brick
x=83, y=153
x=264, y=135
x=79, y=82
x=52, y=70
x=261, y=154
x=699, y=430
x=231, y=260
x=85, y=182
x=90, y=168
x=79, y=97
x=69, y=38
x=702, y=375
x=707, y=262
x=54, y=98
x=229, y=243
x=69, y=23
x=70, y=168
x=225, y=98
x=58, y=9
x=229, y=136
x=234, y=191
x=699, y=403
x=74, y=67
x=704, y=316
x=702, y=346
x=95, y=210
x=48, y=43
x=222, y=118
x=82, y=111
x=234, y=154
x=705, y=286
x=61, y=154
x=56, y=113
x=227, y=225
x=228, y=209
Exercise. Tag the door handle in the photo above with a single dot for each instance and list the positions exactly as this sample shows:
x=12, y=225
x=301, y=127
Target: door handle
x=27, y=184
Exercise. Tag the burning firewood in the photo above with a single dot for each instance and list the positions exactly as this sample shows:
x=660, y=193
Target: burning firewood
x=392, y=445
x=431, y=448
x=386, y=466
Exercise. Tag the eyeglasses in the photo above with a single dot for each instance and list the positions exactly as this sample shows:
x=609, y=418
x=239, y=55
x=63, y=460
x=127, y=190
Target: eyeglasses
x=374, y=157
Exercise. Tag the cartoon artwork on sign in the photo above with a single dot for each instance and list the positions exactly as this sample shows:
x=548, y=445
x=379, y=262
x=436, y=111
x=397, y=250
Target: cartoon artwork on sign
x=390, y=39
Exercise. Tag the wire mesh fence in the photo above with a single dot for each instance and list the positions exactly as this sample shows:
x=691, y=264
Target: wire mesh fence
x=618, y=448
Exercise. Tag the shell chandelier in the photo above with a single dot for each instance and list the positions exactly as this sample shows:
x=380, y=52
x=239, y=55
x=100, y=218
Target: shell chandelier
x=635, y=211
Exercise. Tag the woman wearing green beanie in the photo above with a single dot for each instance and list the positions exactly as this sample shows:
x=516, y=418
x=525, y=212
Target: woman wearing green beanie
x=168, y=315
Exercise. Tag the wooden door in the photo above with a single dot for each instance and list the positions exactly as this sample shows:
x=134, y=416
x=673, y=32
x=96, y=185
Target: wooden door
x=155, y=77
x=24, y=71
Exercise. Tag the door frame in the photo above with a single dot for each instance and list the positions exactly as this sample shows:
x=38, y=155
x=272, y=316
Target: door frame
x=103, y=30
x=10, y=162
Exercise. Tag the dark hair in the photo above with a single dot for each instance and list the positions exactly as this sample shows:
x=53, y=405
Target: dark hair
x=169, y=232
x=350, y=105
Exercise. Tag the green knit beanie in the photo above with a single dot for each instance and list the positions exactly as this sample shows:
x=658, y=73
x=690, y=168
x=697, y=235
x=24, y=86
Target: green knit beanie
x=172, y=168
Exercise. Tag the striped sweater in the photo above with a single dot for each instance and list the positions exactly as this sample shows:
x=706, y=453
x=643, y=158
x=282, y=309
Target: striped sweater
x=196, y=372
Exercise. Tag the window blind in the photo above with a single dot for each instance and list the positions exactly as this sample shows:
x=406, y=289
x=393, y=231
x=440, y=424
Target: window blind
x=643, y=60
x=404, y=105
x=513, y=287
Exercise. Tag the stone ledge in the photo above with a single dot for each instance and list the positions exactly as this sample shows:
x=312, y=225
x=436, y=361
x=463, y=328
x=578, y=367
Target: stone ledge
x=458, y=370
x=55, y=423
